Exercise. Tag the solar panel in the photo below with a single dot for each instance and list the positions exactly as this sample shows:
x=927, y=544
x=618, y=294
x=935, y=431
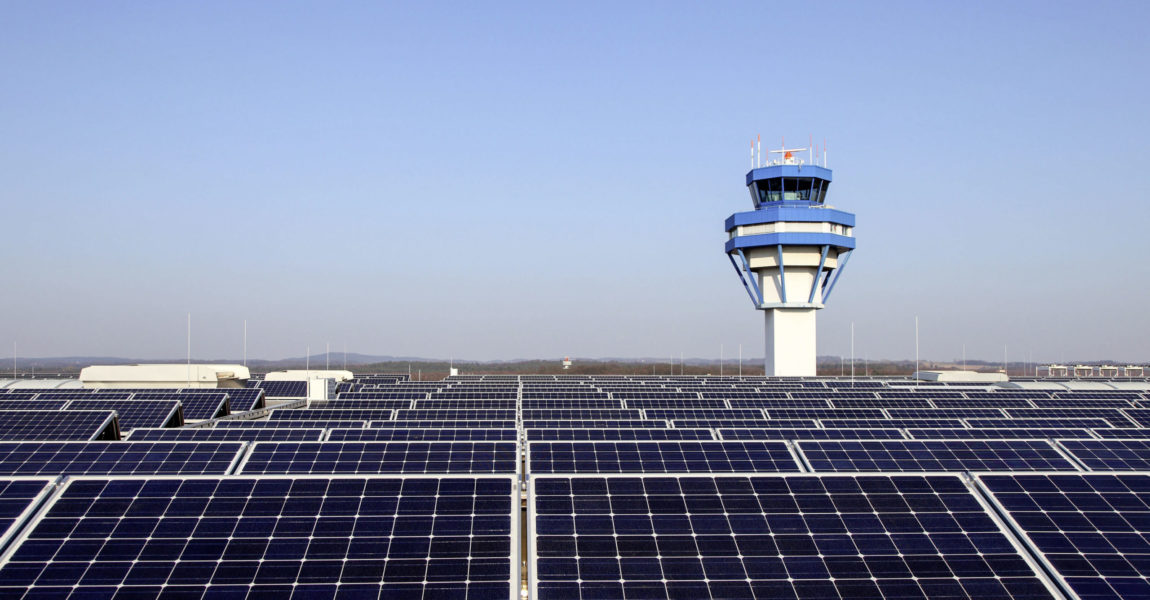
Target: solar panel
x=334, y=458
x=463, y=404
x=946, y=413
x=1066, y=423
x=1140, y=416
x=453, y=415
x=332, y=414
x=382, y=395
x=933, y=455
x=660, y=457
x=239, y=399
x=1018, y=433
x=1110, y=455
x=1063, y=402
x=235, y=434
x=779, y=403
x=273, y=537
x=595, y=423
x=982, y=403
x=118, y=458
x=341, y=404
x=58, y=425
x=284, y=389
x=825, y=413
x=743, y=423
x=811, y=434
x=427, y=435
x=881, y=403
x=694, y=403
x=1113, y=415
x=570, y=403
x=288, y=424
x=769, y=536
x=1118, y=432
x=444, y=424
x=585, y=435
x=195, y=407
x=136, y=413
x=1090, y=528
x=703, y=413
x=19, y=498
x=888, y=423
x=581, y=414
x=33, y=404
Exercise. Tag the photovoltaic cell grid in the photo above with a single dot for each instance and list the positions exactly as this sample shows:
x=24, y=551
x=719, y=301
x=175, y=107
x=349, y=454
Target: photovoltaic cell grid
x=660, y=457
x=443, y=424
x=284, y=389
x=1119, y=432
x=235, y=434
x=296, y=458
x=135, y=413
x=587, y=435
x=362, y=414
x=1091, y=528
x=449, y=537
x=597, y=424
x=429, y=435
x=54, y=425
x=757, y=537
x=1023, y=433
x=18, y=498
x=196, y=407
x=811, y=434
x=1110, y=455
x=744, y=423
x=118, y=458
x=933, y=455
x=288, y=424
x=33, y=404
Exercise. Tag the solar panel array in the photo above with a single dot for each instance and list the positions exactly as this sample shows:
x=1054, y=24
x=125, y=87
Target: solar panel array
x=634, y=487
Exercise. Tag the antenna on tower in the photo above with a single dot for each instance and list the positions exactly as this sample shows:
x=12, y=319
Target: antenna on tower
x=811, y=148
x=824, y=153
x=752, y=154
x=759, y=139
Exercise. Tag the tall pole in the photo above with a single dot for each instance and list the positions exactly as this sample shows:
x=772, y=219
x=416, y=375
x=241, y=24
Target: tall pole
x=852, y=353
x=916, y=349
x=245, y=342
x=13, y=359
x=720, y=360
x=740, y=360
x=307, y=374
x=189, y=349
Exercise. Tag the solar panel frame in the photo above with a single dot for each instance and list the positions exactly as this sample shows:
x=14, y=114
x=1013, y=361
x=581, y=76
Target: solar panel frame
x=288, y=424
x=236, y=434
x=414, y=496
x=570, y=403
x=333, y=414
x=945, y=413
x=80, y=425
x=589, y=434
x=888, y=423
x=809, y=434
x=996, y=433
x=769, y=403
x=667, y=456
x=33, y=404
x=20, y=500
x=700, y=414
x=1114, y=454
x=453, y=415
x=554, y=506
x=982, y=403
x=444, y=424
x=341, y=404
x=388, y=458
x=1116, y=416
x=939, y=455
x=1081, y=508
x=746, y=423
x=72, y=458
x=136, y=413
x=1121, y=433
x=422, y=435
x=1039, y=423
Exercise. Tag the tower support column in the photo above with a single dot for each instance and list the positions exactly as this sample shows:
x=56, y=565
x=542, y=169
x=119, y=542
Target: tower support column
x=790, y=342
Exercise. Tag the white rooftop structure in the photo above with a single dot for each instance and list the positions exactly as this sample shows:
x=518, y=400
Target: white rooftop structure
x=963, y=376
x=164, y=376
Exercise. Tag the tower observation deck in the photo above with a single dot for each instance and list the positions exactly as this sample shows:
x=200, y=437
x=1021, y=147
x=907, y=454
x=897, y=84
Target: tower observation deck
x=789, y=253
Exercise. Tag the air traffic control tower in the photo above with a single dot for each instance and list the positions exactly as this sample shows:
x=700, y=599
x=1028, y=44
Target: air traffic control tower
x=789, y=253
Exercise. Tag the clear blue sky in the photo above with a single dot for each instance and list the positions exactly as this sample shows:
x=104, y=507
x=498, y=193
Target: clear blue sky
x=526, y=180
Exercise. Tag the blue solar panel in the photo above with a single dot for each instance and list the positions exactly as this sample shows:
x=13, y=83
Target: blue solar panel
x=744, y=423
x=136, y=413
x=19, y=498
x=341, y=404
x=465, y=404
x=581, y=414
x=982, y=403
x=454, y=415
x=1065, y=423
x=1112, y=415
x=1110, y=455
x=881, y=403
x=1083, y=403
x=335, y=458
x=587, y=435
x=118, y=458
x=33, y=404
x=235, y=434
x=1121, y=432
x=811, y=434
x=571, y=403
x=444, y=424
x=888, y=423
x=703, y=413
x=273, y=537
x=946, y=413
x=769, y=536
x=380, y=395
x=825, y=413
x=694, y=403
x=660, y=457
x=933, y=455
x=1091, y=529
x=1023, y=433
x=288, y=424
x=425, y=435
x=324, y=414
x=58, y=425
x=195, y=407
x=595, y=423
x=284, y=389
x=1140, y=416
x=780, y=403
